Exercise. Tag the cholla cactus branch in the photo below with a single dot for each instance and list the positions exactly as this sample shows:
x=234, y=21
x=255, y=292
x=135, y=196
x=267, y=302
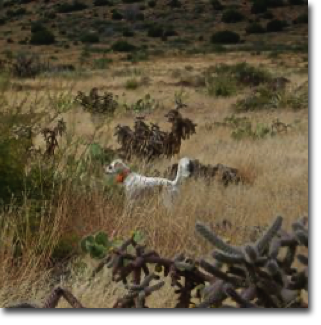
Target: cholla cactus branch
x=216, y=241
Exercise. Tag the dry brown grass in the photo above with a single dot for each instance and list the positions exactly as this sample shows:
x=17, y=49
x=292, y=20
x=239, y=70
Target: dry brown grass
x=275, y=171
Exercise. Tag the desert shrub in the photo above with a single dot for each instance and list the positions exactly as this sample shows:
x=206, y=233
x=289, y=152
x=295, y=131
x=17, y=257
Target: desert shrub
x=123, y=46
x=71, y=7
x=137, y=56
x=275, y=25
x=132, y=84
x=255, y=28
x=50, y=15
x=302, y=19
x=25, y=65
x=2, y=21
x=268, y=15
x=259, y=7
x=42, y=37
x=15, y=142
x=263, y=98
x=170, y=31
x=275, y=3
x=90, y=38
x=131, y=1
x=259, y=131
x=16, y=13
x=175, y=4
x=102, y=63
x=217, y=5
x=155, y=31
x=232, y=16
x=147, y=103
x=151, y=3
x=12, y=156
x=116, y=15
x=248, y=74
x=253, y=102
x=297, y=2
x=221, y=87
x=99, y=3
x=225, y=37
x=37, y=26
x=128, y=32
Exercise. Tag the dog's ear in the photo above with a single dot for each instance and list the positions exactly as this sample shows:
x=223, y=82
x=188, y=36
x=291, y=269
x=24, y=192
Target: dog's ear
x=119, y=165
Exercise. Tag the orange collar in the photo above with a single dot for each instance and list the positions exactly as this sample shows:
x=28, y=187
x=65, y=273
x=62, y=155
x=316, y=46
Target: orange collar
x=120, y=178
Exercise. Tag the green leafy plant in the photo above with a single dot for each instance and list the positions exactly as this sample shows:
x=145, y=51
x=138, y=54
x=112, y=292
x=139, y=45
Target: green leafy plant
x=99, y=245
x=225, y=37
x=147, y=103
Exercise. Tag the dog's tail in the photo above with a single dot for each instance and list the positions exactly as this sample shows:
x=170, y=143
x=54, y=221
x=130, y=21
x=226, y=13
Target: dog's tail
x=184, y=170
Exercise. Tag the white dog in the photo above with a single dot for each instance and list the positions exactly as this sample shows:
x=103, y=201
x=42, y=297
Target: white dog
x=136, y=185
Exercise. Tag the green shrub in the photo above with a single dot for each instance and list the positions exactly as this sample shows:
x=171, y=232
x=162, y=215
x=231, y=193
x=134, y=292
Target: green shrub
x=147, y=103
x=268, y=15
x=137, y=56
x=123, y=46
x=2, y=21
x=225, y=37
x=50, y=15
x=275, y=25
x=116, y=15
x=132, y=84
x=260, y=131
x=90, y=38
x=98, y=3
x=151, y=3
x=297, y=2
x=232, y=16
x=66, y=7
x=155, y=31
x=170, y=31
x=16, y=13
x=242, y=73
x=42, y=37
x=102, y=63
x=175, y=4
x=217, y=5
x=128, y=32
x=259, y=7
x=12, y=156
x=221, y=87
x=275, y=3
x=37, y=26
x=255, y=28
x=302, y=19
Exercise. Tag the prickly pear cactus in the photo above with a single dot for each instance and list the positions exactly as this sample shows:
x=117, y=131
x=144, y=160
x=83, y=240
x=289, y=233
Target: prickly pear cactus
x=99, y=245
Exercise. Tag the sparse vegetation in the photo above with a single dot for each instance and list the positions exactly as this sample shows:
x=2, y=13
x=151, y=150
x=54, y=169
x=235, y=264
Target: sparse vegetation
x=255, y=28
x=62, y=216
x=225, y=37
x=123, y=46
x=42, y=37
x=276, y=25
x=95, y=103
x=232, y=16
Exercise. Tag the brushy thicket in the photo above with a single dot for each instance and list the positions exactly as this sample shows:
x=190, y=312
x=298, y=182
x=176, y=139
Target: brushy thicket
x=33, y=185
x=45, y=197
x=254, y=275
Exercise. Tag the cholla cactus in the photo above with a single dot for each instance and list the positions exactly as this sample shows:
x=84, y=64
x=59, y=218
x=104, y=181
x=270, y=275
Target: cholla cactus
x=53, y=299
x=149, y=141
x=253, y=275
x=51, y=136
x=95, y=103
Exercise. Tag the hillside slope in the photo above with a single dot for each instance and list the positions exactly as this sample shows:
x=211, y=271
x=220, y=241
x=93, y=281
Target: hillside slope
x=74, y=28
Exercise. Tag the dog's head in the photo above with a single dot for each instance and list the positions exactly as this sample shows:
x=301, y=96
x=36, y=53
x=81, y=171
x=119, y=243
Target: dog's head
x=117, y=167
